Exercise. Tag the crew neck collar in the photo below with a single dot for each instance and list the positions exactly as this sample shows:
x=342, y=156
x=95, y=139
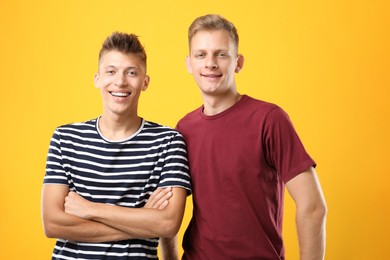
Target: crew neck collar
x=226, y=111
x=121, y=140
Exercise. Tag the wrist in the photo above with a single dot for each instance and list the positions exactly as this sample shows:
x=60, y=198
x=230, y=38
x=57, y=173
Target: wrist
x=91, y=211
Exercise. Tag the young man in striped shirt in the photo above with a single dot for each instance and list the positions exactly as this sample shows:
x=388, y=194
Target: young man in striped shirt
x=100, y=174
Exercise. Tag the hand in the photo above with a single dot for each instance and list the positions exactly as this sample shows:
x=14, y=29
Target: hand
x=77, y=205
x=159, y=198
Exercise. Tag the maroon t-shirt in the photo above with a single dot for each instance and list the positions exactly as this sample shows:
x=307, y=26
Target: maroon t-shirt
x=239, y=161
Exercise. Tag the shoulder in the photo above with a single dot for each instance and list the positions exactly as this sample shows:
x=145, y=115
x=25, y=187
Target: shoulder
x=191, y=116
x=160, y=135
x=259, y=109
x=156, y=129
x=257, y=104
x=77, y=128
x=85, y=125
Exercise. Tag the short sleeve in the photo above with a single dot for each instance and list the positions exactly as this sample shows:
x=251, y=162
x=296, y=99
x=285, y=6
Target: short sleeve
x=55, y=171
x=284, y=149
x=175, y=171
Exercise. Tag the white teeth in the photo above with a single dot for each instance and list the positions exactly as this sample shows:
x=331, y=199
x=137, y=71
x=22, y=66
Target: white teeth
x=120, y=94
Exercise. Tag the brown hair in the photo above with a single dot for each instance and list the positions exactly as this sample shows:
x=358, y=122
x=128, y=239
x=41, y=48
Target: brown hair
x=125, y=43
x=213, y=22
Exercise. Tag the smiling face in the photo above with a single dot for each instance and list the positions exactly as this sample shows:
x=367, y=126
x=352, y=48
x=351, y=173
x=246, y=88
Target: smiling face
x=213, y=60
x=121, y=78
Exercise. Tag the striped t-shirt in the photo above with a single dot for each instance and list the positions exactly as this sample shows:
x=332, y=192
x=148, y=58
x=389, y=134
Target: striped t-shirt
x=121, y=173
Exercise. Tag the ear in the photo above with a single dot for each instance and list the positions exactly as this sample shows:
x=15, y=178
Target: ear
x=96, y=80
x=146, y=83
x=188, y=64
x=240, y=63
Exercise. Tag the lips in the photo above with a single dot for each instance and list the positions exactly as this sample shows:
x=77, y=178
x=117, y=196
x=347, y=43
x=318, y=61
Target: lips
x=119, y=94
x=211, y=76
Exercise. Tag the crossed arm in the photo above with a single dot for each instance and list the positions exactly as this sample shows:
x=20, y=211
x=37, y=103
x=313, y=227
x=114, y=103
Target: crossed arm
x=69, y=216
x=310, y=214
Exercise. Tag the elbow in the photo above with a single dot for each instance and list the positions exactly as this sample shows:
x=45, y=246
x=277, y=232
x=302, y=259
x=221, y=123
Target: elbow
x=170, y=218
x=170, y=231
x=319, y=216
x=49, y=234
x=315, y=211
x=321, y=210
x=169, y=228
x=49, y=230
x=324, y=211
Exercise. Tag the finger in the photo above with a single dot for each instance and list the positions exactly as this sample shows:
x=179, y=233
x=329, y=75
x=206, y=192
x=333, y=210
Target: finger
x=163, y=201
x=164, y=204
x=153, y=198
x=158, y=194
x=158, y=197
x=66, y=200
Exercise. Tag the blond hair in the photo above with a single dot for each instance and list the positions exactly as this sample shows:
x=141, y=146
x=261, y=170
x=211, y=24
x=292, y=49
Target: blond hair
x=212, y=22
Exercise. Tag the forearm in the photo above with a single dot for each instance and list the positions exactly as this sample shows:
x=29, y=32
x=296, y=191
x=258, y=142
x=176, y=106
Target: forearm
x=311, y=210
x=169, y=250
x=69, y=227
x=137, y=222
x=140, y=222
x=311, y=233
x=59, y=224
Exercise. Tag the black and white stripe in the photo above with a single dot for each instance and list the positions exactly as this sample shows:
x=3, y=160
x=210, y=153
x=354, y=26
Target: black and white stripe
x=121, y=173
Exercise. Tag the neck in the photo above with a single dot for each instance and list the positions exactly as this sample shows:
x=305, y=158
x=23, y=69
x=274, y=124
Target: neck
x=216, y=104
x=114, y=127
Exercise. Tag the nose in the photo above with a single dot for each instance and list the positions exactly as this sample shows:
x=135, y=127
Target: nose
x=211, y=63
x=120, y=80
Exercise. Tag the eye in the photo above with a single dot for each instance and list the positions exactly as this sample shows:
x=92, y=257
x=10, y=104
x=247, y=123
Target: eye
x=222, y=54
x=110, y=72
x=132, y=73
x=199, y=55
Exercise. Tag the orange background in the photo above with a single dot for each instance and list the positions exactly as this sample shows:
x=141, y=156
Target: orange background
x=325, y=62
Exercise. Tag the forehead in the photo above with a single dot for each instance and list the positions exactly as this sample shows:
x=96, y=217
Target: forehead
x=120, y=59
x=209, y=40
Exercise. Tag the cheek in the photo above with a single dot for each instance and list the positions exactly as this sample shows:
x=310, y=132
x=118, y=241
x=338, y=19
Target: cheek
x=103, y=93
x=105, y=81
x=194, y=67
x=232, y=69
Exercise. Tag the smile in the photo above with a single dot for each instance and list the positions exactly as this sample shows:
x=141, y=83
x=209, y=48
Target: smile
x=212, y=76
x=120, y=94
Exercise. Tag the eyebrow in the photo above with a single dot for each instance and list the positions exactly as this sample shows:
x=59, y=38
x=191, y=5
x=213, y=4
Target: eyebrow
x=115, y=67
x=217, y=50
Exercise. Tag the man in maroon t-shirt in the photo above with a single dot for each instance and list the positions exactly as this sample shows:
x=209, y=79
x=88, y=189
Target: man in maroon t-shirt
x=242, y=153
